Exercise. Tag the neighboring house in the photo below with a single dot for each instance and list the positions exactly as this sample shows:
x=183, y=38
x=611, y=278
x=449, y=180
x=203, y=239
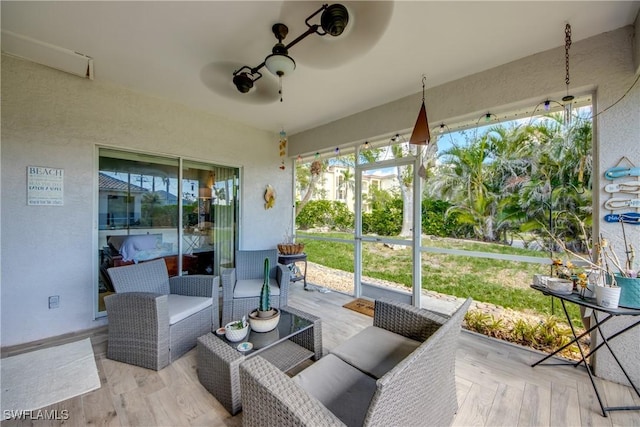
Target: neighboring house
x=118, y=202
x=332, y=185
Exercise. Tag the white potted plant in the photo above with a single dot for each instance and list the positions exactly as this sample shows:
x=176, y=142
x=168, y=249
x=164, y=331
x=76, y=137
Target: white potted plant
x=236, y=331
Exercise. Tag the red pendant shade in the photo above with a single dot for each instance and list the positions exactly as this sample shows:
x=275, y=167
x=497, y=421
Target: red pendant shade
x=421, y=135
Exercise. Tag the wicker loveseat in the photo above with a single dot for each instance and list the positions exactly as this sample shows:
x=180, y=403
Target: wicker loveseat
x=400, y=371
x=153, y=318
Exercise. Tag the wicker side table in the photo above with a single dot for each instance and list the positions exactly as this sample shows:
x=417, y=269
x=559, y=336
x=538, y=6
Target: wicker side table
x=218, y=361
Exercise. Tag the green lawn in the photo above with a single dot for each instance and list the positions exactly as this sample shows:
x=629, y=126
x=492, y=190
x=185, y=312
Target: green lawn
x=501, y=282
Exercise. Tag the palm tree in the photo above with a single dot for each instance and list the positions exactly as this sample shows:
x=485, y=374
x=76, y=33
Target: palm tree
x=347, y=182
x=404, y=175
x=308, y=178
x=464, y=179
x=562, y=182
x=514, y=177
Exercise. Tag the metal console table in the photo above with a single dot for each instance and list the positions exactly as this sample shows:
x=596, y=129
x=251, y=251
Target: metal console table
x=611, y=313
x=297, y=274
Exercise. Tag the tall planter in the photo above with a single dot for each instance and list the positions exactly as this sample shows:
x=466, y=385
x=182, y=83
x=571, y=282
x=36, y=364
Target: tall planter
x=629, y=291
x=264, y=318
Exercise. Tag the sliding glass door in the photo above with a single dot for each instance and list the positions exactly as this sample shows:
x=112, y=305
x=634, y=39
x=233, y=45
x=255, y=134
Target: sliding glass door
x=155, y=207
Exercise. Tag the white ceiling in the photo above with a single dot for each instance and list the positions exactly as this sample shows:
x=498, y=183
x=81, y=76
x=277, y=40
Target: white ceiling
x=186, y=51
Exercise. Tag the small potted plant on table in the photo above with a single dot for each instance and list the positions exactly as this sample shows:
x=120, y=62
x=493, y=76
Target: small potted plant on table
x=265, y=318
x=236, y=330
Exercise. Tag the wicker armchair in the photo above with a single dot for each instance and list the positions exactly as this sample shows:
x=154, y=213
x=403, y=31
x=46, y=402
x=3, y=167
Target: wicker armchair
x=241, y=285
x=420, y=389
x=155, y=319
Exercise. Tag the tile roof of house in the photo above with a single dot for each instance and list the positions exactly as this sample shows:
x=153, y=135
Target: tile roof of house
x=106, y=182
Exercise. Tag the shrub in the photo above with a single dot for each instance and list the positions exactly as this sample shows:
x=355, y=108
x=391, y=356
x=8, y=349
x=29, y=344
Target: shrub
x=545, y=335
x=385, y=219
x=324, y=213
x=436, y=222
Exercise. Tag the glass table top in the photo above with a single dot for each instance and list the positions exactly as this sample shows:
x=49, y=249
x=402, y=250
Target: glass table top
x=288, y=326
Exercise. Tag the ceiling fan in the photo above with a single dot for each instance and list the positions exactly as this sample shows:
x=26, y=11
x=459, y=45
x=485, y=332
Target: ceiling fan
x=355, y=28
x=368, y=21
x=333, y=21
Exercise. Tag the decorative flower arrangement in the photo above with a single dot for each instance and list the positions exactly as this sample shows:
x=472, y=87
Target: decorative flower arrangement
x=570, y=271
x=604, y=267
x=608, y=258
x=601, y=266
x=288, y=247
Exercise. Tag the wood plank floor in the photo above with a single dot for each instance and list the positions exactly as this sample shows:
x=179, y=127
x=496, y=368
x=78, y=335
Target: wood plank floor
x=495, y=383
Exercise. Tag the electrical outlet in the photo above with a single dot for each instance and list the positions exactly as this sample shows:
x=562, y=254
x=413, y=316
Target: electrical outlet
x=54, y=301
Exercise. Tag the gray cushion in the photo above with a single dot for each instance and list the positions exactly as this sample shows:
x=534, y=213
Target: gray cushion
x=249, y=288
x=344, y=390
x=182, y=306
x=375, y=350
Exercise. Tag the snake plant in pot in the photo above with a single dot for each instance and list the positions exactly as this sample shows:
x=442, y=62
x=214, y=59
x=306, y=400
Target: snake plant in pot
x=265, y=318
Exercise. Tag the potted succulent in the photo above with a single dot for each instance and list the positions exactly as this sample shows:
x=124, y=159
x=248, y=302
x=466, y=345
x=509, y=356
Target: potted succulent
x=236, y=330
x=265, y=318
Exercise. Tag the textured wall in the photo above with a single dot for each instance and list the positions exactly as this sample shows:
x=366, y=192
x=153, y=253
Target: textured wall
x=54, y=119
x=602, y=65
x=636, y=44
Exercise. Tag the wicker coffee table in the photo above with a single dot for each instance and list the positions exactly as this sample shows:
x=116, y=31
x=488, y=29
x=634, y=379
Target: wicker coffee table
x=297, y=338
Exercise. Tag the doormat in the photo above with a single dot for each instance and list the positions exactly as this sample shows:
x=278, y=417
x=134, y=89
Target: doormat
x=43, y=377
x=361, y=305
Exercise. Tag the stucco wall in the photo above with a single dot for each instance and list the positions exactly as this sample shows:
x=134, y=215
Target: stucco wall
x=636, y=44
x=50, y=118
x=602, y=65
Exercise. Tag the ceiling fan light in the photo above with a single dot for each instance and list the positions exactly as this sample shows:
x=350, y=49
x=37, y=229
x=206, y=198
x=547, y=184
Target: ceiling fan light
x=334, y=19
x=280, y=64
x=243, y=82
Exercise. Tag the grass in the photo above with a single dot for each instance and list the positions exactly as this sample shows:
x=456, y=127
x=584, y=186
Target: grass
x=500, y=282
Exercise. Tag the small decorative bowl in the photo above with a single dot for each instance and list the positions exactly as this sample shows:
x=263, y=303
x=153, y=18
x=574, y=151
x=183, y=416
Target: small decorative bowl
x=561, y=286
x=235, y=335
x=244, y=346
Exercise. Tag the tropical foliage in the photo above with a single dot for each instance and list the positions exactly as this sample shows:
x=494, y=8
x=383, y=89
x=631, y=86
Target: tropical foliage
x=527, y=177
x=332, y=215
x=523, y=179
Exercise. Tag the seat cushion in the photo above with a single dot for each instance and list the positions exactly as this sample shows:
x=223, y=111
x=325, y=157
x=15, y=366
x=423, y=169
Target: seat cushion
x=182, y=306
x=343, y=389
x=375, y=350
x=249, y=288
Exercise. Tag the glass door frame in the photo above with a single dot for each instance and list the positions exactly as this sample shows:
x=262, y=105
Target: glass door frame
x=414, y=242
x=180, y=162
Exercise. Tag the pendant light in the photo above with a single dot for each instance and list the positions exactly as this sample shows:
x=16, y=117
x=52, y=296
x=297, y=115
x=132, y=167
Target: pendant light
x=279, y=63
x=420, y=134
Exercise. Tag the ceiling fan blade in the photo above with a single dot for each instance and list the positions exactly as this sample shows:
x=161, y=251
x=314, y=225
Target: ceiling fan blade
x=368, y=21
x=218, y=77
